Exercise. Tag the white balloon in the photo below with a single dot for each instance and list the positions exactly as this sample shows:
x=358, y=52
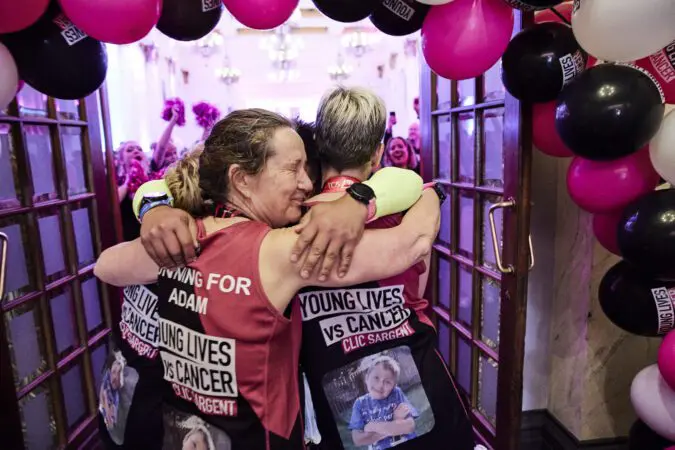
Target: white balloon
x=434, y=2
x=9, y=77
x=623, y=30
x=654, y=402
x=662, y=148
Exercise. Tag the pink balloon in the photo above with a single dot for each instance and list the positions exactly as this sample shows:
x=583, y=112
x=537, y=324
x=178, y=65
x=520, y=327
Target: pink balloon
x=607, y=186
x=667, y=359
x=605, y=230
x=662, y=65
x=261, y=14
x=114, y=21
x=15, y=15
x=464, y=38
x=544, y=135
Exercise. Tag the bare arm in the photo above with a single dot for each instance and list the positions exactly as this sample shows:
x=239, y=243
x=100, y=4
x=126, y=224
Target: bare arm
x=126, y=264
x=393, y=427
x=380, y=253
x=365, y=437
x=160, y=149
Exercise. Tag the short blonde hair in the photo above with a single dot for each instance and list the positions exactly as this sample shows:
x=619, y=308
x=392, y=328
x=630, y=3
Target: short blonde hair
x=350, y=124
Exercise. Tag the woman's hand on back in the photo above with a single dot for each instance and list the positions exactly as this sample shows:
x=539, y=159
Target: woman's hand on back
x=327, y=233
x=166, y=236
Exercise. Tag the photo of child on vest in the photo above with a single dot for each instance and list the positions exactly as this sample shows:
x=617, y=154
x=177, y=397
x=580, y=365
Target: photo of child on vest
x=189, y=432
x=115, y=394
x=388, y=407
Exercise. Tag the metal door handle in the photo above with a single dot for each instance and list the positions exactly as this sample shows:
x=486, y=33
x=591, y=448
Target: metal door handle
x=3, y=263
x=495, y=242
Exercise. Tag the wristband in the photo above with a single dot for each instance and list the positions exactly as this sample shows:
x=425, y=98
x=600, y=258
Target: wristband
x=148, y=206
x=151, y=187
x=372, y=210
x=396, y=190
x=438, y=189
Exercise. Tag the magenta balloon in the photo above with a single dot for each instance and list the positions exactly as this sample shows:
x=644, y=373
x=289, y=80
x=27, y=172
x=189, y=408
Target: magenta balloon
x=607, y=186
x=15, y=15
x=544, y=135
x=261, y=14
x=605, y=227
x=113, y=21
x=464, y=38
x=667, y=359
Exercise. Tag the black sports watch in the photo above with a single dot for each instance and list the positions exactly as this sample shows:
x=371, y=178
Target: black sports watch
x=362, y=193
x=438, y=188
x=152, y=200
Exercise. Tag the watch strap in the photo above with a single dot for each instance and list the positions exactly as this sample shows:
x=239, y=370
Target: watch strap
x=364, y=197
x=436, y=186
x=150, y=205
x=372, y=211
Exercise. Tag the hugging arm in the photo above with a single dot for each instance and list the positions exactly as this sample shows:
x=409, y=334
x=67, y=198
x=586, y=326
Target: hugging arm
x=380, y=254
x=361, y=437
x=327, y=236
x=126, y=264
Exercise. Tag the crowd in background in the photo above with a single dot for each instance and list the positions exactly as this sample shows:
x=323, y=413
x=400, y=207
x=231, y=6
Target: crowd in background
x=134, y=167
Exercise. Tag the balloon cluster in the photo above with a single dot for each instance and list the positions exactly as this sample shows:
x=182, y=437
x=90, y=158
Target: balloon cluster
x=610, y=118
x=56, y=46
x=206, y=114
x=169, y=105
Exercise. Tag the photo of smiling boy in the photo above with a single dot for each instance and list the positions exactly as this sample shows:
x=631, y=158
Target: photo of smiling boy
x=383, y=417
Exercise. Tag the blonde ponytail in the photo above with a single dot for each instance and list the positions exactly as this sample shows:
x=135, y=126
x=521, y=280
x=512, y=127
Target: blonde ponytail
x=183, y=181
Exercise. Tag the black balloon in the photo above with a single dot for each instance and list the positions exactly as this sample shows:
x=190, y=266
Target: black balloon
x=609, y=111
x=628, y=300
x=646, y=233
x=532, y=5
x=58, y=59
x=399, y=17
x=189, y=20
x=346, y=11
x=641, y=437
x=540, y=61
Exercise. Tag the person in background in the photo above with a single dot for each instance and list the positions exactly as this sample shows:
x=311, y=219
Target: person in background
x=134, y=169
x=164, y=151
x=399, y=153
x=414, y=137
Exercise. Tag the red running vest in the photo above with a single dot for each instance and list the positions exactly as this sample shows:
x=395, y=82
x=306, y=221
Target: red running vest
x=230, y=358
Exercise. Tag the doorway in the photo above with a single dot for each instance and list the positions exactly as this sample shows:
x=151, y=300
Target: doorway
x=55, y=313
x=477, y=145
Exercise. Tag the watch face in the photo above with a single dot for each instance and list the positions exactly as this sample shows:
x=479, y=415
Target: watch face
x=154, y=196
x=362, y=190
